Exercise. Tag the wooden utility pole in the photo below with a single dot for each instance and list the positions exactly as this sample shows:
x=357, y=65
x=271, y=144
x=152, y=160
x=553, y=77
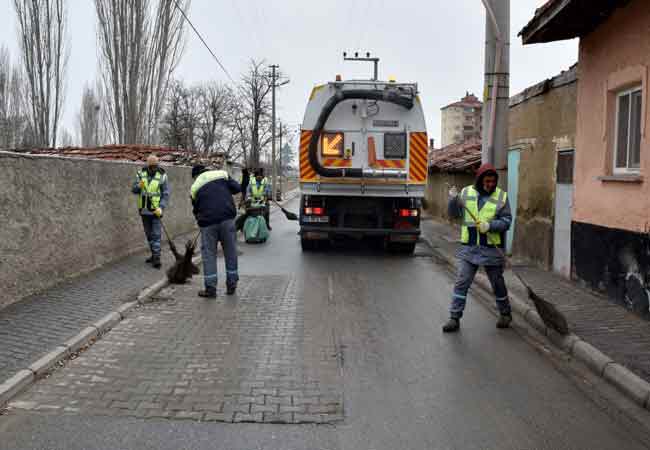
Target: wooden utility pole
x=274, y=67
x=274, y=78
x=280, y=158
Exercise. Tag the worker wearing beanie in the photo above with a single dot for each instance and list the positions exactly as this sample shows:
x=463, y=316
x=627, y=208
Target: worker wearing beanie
x=152, y=189
x=485, y=213
x=215, y=212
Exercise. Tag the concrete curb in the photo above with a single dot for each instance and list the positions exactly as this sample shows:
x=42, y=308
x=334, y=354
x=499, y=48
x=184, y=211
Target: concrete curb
x=627, y=382
x=26, y=377
x=15, y=385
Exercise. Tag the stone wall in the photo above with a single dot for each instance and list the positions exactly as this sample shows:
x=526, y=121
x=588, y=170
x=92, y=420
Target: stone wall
x=542, y=122
x=61, y=217
x=437, y=193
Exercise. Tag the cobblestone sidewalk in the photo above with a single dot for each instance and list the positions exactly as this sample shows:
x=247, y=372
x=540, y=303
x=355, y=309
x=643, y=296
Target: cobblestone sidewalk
x=266, y=354
x=38, y=323
x=609, y=327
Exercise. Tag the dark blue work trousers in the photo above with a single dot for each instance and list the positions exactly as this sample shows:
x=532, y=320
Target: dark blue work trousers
x=211, y=235
x=464, y=279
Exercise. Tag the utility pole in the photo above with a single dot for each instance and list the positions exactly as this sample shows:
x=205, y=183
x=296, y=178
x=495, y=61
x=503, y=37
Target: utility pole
x=274, y=67
x=274, y=77
x=280, y=158
x=497, y=83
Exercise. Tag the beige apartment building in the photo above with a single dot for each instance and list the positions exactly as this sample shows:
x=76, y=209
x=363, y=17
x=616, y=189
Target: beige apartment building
x=461, y=121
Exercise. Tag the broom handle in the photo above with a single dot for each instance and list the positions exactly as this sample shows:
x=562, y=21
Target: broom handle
x=196, y=238
x=501, y=252
x=162, y=224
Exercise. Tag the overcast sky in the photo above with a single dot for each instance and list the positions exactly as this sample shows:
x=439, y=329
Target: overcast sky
x=438, y=44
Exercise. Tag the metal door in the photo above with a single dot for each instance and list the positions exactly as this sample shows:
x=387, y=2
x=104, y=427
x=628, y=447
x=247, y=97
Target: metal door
x=563, y=214
x=514, y=156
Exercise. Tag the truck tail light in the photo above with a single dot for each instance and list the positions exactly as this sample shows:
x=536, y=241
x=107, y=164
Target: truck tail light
x=315, y=211
x=408, y=212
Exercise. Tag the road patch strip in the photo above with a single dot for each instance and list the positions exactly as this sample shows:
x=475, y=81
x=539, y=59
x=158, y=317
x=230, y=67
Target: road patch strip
x=86, y=337
x=626, y=381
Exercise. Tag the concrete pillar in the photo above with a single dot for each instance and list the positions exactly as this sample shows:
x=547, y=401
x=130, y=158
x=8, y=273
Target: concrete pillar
x=496, y=154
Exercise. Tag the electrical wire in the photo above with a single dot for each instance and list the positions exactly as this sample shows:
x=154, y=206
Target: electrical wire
x=203, y=41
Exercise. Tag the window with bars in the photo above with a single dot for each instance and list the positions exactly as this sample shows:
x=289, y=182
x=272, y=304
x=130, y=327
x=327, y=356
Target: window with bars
x=627, y=146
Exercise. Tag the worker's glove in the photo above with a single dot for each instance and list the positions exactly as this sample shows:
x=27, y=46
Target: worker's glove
x=141, y=184
x=158, y=212
x=483, y=227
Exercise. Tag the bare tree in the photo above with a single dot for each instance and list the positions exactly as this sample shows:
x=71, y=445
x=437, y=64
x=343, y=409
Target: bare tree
x=214, y=102
x=42, y=26
x=254, y=112
x=140, y=47
x=181, y=117
x=13, y=121
x=89, y=118
x=67, y=140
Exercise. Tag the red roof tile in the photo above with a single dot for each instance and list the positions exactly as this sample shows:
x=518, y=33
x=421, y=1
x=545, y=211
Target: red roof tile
x=135, y=153
x=465, y=157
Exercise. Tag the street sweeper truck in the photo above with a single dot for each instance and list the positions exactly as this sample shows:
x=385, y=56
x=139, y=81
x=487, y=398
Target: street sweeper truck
x=363, y=163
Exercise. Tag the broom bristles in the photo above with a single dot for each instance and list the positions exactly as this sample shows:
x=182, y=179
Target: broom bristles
x=183, y=268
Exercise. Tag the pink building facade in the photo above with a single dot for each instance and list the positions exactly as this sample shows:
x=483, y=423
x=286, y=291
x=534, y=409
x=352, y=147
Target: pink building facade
x=610, y=232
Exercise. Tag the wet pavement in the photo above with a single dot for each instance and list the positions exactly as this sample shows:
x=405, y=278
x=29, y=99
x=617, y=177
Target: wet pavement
x=265, y=354
x=37, y=324
x=611, y=328
x=353, y=324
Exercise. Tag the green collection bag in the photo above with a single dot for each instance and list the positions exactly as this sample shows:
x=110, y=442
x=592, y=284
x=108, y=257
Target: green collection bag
x=255, y=229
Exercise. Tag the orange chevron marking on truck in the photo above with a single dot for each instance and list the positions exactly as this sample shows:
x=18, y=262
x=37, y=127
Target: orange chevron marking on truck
x=307, y=172
x=391, y=163
x=418, y=158
x=337, y=162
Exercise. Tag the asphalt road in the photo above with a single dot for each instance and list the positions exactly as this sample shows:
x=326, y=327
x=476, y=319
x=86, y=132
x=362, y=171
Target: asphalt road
x=404, y=384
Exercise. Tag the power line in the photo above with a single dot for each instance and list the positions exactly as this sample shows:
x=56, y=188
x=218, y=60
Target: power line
x=203, y=41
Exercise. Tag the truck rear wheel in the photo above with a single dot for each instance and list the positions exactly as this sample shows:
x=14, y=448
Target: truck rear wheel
x=307, y=244
x=402, y=248
x=310, y=245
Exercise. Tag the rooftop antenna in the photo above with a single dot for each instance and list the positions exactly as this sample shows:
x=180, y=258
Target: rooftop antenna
x=367, y=58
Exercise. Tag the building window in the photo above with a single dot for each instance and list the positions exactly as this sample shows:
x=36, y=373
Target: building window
x=627, y=147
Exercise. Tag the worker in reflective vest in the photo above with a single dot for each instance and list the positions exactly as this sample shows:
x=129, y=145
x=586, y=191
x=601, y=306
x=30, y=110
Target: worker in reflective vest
x=214, y=210
x=259, y=191
x=152, y=189
x=486, y=217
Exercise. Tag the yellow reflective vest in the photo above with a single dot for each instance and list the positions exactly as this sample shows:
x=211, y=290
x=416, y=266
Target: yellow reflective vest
x=150, y=194
x=469, y=231
x=258, y=190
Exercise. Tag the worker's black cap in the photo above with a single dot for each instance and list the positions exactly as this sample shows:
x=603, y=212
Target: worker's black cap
x=197, y=170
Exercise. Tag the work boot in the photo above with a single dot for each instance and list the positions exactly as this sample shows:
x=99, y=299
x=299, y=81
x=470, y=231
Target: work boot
x=504, y=321
x=231, y=287
x=149, y=260
x=155, y=262
x=208, y=293
x=451, y=326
